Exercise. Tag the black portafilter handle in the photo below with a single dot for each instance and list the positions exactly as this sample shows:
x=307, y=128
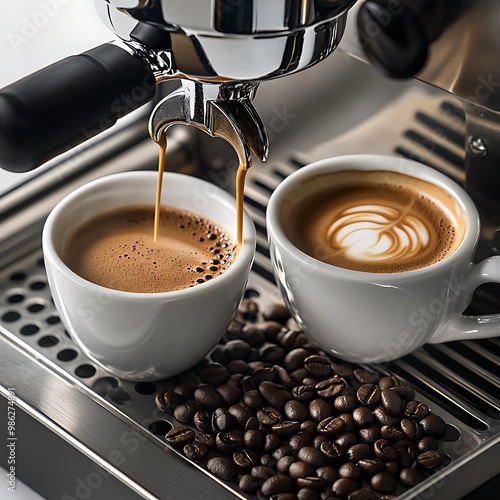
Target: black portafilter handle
x=63, y=105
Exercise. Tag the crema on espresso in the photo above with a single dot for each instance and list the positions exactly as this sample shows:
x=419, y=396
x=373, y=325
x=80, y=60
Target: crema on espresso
x=376, y=221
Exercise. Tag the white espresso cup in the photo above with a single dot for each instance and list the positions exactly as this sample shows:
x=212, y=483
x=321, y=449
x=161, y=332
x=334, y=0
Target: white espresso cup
x=145, y=336
x=369, y=317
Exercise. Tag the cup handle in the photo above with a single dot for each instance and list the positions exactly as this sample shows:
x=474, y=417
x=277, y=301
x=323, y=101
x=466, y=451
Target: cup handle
x=464, y=327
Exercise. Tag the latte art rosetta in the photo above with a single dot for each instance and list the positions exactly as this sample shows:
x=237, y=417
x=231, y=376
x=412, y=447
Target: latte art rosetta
x=378, y=232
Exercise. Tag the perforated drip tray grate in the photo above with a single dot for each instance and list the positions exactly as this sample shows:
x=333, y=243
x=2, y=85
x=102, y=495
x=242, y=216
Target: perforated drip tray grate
x=81, y=401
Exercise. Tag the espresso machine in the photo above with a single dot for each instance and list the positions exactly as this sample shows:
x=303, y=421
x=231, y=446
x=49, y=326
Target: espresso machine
x=200, y=63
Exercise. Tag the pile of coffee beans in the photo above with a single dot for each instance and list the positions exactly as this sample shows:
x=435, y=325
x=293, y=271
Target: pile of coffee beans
x=276, y=415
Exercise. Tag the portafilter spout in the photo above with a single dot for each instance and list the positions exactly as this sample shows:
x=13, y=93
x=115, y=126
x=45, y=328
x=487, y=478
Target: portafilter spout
x=220, y=110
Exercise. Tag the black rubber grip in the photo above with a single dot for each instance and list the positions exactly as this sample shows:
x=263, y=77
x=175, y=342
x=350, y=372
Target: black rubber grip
x=63, y=105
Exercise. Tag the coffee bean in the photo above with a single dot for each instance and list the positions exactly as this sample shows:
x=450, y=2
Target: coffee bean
x=431, y=459
x=331, y=387
x=318, y=441
x=359, y=452
x=264, y=374
x=263, y=472
x=319, y=409
x=275, y=311
x=368, y=394
x=245, y=459
x=381, y=414
x=252, y=334
x=332, y=450
x=349, y=424
x=327, y=473
x=350, y=470
x=292, y=339
x=167, y=400
x=238, y=366
x=369, y=434
x=344, y=486
x=282, y=451
x=300, y=469
x=363, y=416
x=384, y=450
x=201, y=420
x=283, y=496
x=270, y=329
x=185, y=391
x=362, y=494
x=311, y=456
x=308, y=426
x=411, y=429
x=286, y=428
x=185, y=412
x=392, y=467
x=433, y=425
x=313, y=482
x=271, y=443
x=347, y=439
x=404, y=457
x=229, y=442
x=370, y=467
x=387, y=382
x=304, y=392
x=284, y=377
x=318, y=366
x=295, y=359
x=391, y=433
x=196, y=451
x=207, y=439
x=331, y=426
x=410, y=477
x=229, y=394
x=284, y=463
x=391, y=401
x=178, y=437
x=240, y=414
x=427, y=443
x=307, y=494
x=250, y=484
x=253, y=439
x=277, y=484
x=404, y=392
x=253, y=399
x=416, y=410
x=252, y=423
x=215, y=374
x=383, y=482
x=248, y=308
x=268, y=460
x=345, y=403
x=300, y=440
x=223, y=468
x=221, y=421
x=272, y=353
x=275, y=395
x=269, y=416
x=295, y=410
x=365, y=376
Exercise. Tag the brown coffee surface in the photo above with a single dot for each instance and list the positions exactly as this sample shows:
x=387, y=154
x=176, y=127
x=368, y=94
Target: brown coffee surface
x=376, y=221
x=117, y=250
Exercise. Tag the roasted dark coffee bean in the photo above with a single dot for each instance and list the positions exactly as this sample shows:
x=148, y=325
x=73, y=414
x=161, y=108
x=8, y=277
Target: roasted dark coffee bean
x=304, y=392
x=271, y=443
x=240, y=414
x=283, y=496
x=263, y=472
x=253, y=399
x=245, y=459
x=362, y=494
x=368, y=394
x=206, y=438
x=218, y=355
x=295, y=359
x=416, y=410
x=278, y=312
x=350, y=470
x=250, y=484
x=404, y=457
x=347, y=439
x=383, y=483
x=270, y=329
x=381, y=414
x=248, y=308
x=234, y=380
x=178, y=437
x=229, y=394
x=300, y=440
x=332, y=450
x=252, y=423
x=392, y=467
x=307, y=494
x=237, y=366
x=319, y=409
x=343, y=370
x=387, y=382
x=272, y=353
x=196, y=451
x=369, y=434
x=185, y=391
x=247, y=383
x=252, y=334
x=328, y=474
x=185, y=412
x=318, y=441
x=391, y=401
x=384, y=450
x=284, y=463
x=359, y=452
x=345, y=403
x=411, y=429
x=201, y=420
x=404, y=392
x=308, y=426
x=370, y=467
x=331, y=426
x=215, y=375
x=277, y=484
x=292, y=339
x=391, y=433
x=223, y=468
x=331, y=387
x=299, y=376
x=167, y=400
x=362, y=416
x=410, y=477
x=300, y=469
x=264, y=374
x=295, y=410
x=275, y=395
x=229, y=442
x=253, y=439
x=427, y=443
x=313, y=482
x=221, y=421
x=310, y=381
x=318, y=366
x=311, y=456
x=282, y=451
x=433, y=425
x=268, y=460
x=349, y=424
x=269, y=416
x=365, y=376
x=286, y=429
x=344, y=486
x=431, y=459
x=283, y=377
